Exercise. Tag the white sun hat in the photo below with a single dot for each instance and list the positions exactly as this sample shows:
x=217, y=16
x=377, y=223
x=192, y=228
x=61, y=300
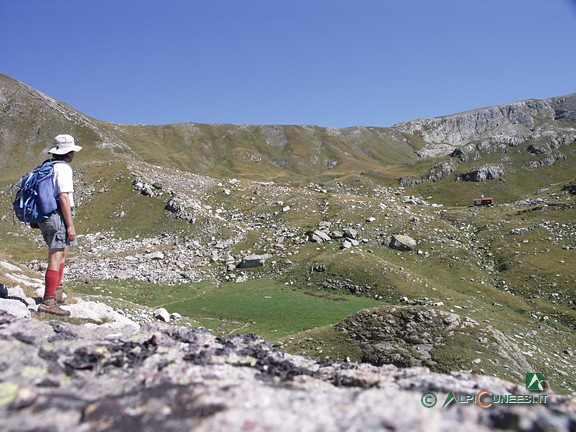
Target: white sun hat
x=63, y=144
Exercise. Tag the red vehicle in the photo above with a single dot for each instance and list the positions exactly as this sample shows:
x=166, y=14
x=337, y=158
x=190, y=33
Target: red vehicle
x=484, y=201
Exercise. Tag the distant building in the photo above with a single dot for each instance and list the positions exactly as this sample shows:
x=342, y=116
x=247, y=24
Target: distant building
x=484, y=201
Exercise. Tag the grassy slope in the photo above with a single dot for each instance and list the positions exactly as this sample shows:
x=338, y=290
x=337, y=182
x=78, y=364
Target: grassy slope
x=294, y=152
x=530, y=265
x=451, y=274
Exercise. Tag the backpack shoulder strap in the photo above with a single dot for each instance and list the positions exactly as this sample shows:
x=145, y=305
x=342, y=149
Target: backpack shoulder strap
x=51, y=162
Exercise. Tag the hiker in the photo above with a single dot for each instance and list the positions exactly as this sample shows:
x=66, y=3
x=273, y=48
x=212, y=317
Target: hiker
x=58, y=230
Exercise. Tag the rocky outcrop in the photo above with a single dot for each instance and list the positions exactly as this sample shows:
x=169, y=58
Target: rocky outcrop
x=486, y=172
x=62, y=377
x=564, y=107
x=438, y=172
x=570, y=187
x=513, y=119
x=495, y=126
x=546, y=160
x=410, y=336
x=15, y=302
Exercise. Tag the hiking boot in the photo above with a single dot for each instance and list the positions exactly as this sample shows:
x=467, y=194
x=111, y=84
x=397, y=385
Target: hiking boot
x=49, y=306
x=59, y=295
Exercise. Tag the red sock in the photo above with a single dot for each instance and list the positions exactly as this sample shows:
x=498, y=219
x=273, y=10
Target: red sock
x=60, y=274
x=51, y=280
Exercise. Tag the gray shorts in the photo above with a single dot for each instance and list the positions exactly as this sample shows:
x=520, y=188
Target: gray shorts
x=54, y=232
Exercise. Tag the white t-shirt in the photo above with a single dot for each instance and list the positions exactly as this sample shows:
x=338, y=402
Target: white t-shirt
x=63, y=181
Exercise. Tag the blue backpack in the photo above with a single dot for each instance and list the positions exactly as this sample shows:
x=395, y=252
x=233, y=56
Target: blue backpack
x=35, y=200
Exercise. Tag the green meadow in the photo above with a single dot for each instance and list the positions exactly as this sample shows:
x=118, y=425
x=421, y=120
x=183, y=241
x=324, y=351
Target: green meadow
x=262, y=306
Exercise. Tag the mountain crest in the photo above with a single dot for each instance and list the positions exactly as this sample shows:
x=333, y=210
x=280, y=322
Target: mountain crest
x=524, y=120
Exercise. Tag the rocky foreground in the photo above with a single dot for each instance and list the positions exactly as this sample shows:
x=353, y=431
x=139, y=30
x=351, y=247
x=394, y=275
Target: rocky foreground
x=57, y=376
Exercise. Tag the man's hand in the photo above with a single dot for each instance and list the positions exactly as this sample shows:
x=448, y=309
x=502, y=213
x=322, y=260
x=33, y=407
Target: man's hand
x=70, y=234
x=64, y=200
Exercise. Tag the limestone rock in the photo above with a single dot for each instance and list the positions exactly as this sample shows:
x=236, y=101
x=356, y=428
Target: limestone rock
x=154, y=256
x=64, y=377
x=458, y=129
x=252, y=261
x=162, y=315
x=491, y=128
x=319, y=236
x=486, y=172
x=402, y=242
x=15, y=307
x=350, y=233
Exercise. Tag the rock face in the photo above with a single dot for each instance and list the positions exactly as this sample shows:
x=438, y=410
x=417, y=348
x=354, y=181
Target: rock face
x=491, y=126
x=487, y=172
x=63, y=377
x=513, y=119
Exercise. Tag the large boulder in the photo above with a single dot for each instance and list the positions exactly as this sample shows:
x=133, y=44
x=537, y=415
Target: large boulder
x=14, y=307
x=402, y=242
x=253, y=261
x=319, y=236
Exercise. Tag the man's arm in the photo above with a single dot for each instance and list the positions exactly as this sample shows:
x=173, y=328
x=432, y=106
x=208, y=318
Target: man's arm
x=64, y=200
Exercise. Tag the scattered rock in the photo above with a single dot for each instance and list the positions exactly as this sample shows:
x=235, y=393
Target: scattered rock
x=154, y=256
x=162, y=315
x=319, y=236
x=252, y=261
x=350, y=233
x=402, y=242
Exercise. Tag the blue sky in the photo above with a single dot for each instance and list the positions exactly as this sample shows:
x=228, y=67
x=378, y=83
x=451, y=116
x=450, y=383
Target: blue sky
x=323, y=62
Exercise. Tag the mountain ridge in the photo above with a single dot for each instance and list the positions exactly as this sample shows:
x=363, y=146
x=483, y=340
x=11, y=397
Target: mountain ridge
x=282, y=151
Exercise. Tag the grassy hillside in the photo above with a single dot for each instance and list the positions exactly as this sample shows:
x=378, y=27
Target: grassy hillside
x=267, y=152
x=248, y=189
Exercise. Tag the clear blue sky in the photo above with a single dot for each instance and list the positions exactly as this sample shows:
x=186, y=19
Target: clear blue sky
x=331, y=63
